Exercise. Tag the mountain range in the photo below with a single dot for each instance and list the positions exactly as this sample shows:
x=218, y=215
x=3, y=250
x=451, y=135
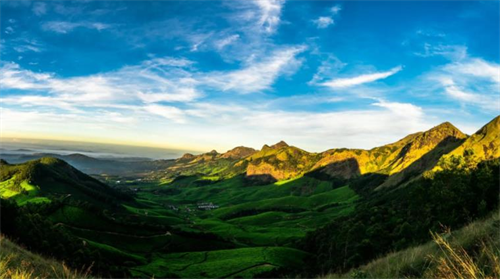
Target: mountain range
x=405, y=159
x=279, y=211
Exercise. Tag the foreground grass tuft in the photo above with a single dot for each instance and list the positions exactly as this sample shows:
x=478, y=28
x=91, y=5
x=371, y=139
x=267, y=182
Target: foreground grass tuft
x=456, y=262
x=18, y=263
x=469, y=253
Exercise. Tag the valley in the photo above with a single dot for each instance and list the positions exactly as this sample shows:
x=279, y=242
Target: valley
x=277, y=211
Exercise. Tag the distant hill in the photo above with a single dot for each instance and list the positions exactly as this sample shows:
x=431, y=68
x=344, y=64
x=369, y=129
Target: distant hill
x=90, y=165
x=46, y=178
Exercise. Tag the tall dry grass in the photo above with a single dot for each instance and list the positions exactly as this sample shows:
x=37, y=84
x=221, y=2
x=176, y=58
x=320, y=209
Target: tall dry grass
x=471, y=252
x=18, y=263
x=456, y=262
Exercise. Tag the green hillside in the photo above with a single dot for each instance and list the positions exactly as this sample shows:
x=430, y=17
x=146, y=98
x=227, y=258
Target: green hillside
x=277, y=212
x=485, y=143
x=48, y=178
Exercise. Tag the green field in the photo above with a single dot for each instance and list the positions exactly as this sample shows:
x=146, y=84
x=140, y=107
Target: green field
x=162, y=229
x=244, y=262
x=251, y=231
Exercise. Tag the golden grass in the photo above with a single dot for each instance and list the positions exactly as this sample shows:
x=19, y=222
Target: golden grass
x=18, y=263
x=471, y=252
x=456, y=262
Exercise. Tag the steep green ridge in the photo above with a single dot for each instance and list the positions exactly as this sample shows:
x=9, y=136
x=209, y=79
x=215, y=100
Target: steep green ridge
x=46, y=178
x=485, y=143
x=393, y=220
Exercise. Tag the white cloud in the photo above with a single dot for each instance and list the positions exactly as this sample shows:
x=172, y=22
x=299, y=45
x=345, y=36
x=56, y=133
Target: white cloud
x=270, y=12
x=361, y=79
x=12, y=76
x=323, y=22
x=477, y=68
x=364, y=128
x=64, y=27
x=221, y=44
x=9, y=30
x=452, y=52
x=39, y=8
x=181, y=95
x=155, y=80
x=335, y=9
x=486, y=101
x=472, y=82
x=258, y=76
x=168, y=112
x=330, y=66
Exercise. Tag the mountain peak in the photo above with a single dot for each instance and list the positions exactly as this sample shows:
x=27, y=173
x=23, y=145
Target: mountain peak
x=186, y=157
x=213, y=152
x=446, y=129
x=491, y=127
x=239, y=152
x=279, y=145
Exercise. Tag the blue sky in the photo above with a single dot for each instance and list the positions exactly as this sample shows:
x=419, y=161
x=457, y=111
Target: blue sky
x=200, y=75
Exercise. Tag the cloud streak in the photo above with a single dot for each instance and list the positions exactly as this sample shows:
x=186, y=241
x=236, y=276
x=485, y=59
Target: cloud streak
x=361, y=79
x=64, y=27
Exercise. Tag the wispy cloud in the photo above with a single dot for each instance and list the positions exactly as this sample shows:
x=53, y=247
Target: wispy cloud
x=258, y=75
x=167, y=112
x=336, y=9
x=323, y=22
x=270, y=12
x=361, y=79
x=453, y=52
x=472, y=82
x=330, y=66
x=347, y=128
x=222, y=43
x=64, y=27
x=154, y=81
x=476, y=67
x=39, y=8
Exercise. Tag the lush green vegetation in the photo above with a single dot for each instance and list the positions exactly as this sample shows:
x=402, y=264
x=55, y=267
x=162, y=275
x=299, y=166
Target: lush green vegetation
x=476, y=244
x=402, y=218
x=162, y=232
x=280, y=211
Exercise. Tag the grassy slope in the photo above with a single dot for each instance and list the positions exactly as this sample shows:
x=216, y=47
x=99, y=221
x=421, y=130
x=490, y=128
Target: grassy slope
x=418, y=261
x=42, y=179
x=244, y=262
x=274, y=214
x=16, y=262
x=485, y=142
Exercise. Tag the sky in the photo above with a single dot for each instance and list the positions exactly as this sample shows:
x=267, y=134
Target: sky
x=203, y=75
